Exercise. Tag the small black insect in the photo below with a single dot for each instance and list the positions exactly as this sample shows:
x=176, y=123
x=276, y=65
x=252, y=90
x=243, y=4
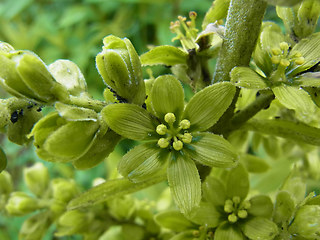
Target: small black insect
x=14, y=117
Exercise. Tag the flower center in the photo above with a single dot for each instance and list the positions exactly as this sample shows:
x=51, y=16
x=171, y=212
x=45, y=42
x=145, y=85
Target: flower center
x=236, y=209
x=173, y=136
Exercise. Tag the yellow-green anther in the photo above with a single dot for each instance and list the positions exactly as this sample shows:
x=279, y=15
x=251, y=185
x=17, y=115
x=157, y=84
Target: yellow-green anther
x=284, y=62
x=236, y=199
x=300, y=61
x=297, y=54
x=228, y=202
x=161, y=129
x=185, y=124
x=284, y=46
x=242, y=213
x=276, y=51
x=177, y=145
x=187, y=138
x=228, y=208
x=170, y=118
x=246, y=204
x=232, y=218
x=275, y=59
x=163, y=142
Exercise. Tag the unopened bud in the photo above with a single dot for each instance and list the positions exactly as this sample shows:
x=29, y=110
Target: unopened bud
x=37, y=178
x=20, y=204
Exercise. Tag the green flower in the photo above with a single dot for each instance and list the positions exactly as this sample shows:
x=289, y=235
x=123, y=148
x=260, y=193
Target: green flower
x=174, y=137
x=225, y=208
x=281, y=68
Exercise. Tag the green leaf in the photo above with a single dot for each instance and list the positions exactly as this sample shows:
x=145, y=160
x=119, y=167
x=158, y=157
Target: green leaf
x=167, y=96
x=238, y=182
x=260, y=228
x=173, y=220
x=207, y=215
x=72, y=139
x=284, y=208
x=207, y=106
x=228, y=231
x=214, y=191
x=287, y=3
x=142, y=162
x=184, y=183
x=247, y=78
x=261, y=206
x=212, y=150
x=101, y=147
x=186, y=235
x=294, y=98
x=296, y=131
x=72, y=113
x=3, y=160
x=253, y=163
x=310, y=50
x=129, y=120
x=166, y=55
x=111, y=189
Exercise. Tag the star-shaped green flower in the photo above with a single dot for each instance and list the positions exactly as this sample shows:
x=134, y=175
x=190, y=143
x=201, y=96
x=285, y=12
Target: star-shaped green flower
x=281, y=67
x=174, y=137
x=225, y=208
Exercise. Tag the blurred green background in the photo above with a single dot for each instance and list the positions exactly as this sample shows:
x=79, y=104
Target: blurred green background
x=74, y=29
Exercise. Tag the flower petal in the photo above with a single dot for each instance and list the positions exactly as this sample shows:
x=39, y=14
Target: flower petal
x=261, y=206
x=308, y=80
x=247, y=78
x=212, y=150
x=310, y=50
x=167, y=96
x=260, y=228
x=214, y=191
x=207, y=215
x=129, y=120
x=184, y=182
x=228, y=231
x=238, y=182
x=174, y=220
x=142, y=162
x=207, y=106
x=294, y=98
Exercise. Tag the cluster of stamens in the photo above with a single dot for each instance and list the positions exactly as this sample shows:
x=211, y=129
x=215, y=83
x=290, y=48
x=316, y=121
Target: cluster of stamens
x=236, y=209
x=186, y=30
x=172, y=135
x=281, y=56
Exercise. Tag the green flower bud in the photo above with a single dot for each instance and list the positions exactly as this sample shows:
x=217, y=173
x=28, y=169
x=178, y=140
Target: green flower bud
x=5, y=47
x=6, y=185
x=120, y=67
x=287, y=3
x=307, y=222
x=24, y=75
x=35, y=227
x=66, y=135
x=20, y=204
x=63, y=189
x=122, y=208
x=3, y=160
x=177, y=145
x=73, y=222
x=170, y=118
x=69, y=75
x=21, y=123
x=161, y=129
x=36, y=178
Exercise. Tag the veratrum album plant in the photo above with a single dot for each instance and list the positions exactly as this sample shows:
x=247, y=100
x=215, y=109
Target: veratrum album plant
x=238, y=158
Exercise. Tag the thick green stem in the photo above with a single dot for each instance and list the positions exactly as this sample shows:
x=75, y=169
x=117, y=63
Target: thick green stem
x=241, y=33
